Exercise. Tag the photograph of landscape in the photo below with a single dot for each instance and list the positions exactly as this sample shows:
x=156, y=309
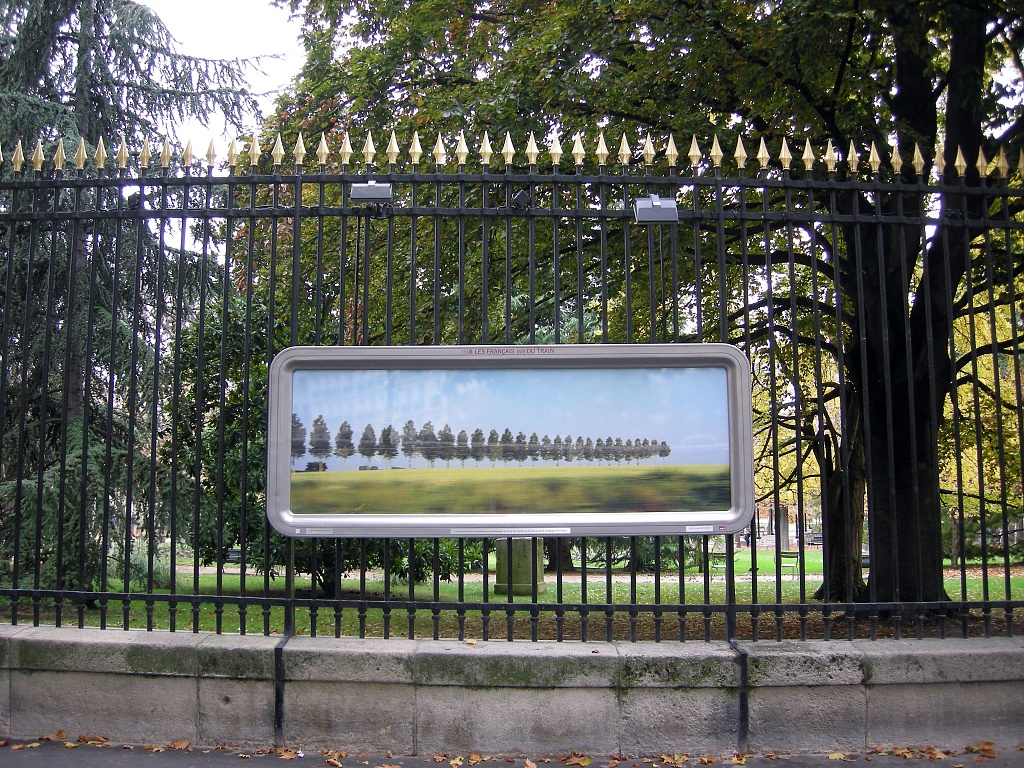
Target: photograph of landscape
x=509, y=441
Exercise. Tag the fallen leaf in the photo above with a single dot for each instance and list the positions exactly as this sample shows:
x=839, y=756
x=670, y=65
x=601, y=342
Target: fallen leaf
x=455, y=762
x=129, y=747
x=436, y=758
x=180, y=744
x=33, y=745
x=836, y=756
x=470, y=641
x=4, y=742
x=332, y=762
x=46, y=737
x=158, y=750
x=529, y=763
x=288, y=754
x=708, y=760
x=771, y=756
x=62, y=735
x=739, y=759
x=244, y=756
x=16, y=747
x=474, y=758
x=70, y=745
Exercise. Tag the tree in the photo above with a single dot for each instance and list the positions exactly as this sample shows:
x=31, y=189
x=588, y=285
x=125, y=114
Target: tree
x=78, y=439
x=446, y=445
x=320, y=439
x=478, y=447
x=836, y=71
x=427, y=444
x=409, y=437
x=298, y=438
x=493, y=447
x=533, y=447
x=387, y=448
x=508, y=452
x=368, y=443
x=462, y=449
x=343, y=445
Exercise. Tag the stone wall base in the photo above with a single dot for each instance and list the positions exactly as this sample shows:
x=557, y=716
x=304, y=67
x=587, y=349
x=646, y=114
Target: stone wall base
x=428, y=697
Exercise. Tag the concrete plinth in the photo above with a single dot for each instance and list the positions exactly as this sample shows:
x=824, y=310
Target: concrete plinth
x=523, y=562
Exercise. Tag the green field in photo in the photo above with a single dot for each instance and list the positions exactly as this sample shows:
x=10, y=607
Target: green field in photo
x=503, y=490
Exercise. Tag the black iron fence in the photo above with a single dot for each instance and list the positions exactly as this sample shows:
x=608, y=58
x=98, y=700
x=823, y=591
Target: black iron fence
x=880, y=307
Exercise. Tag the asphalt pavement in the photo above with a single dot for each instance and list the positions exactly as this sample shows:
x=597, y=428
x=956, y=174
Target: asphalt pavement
x=100, y=753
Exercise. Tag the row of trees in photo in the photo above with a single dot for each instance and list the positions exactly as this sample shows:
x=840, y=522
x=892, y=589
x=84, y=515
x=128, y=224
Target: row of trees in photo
x=444, y=445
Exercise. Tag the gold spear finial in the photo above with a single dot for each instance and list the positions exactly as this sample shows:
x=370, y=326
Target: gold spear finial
x=299, y=152
x=323, y=152
x=145, y=155
x=808, y=156
x=255, y=151
x=80, y=157
x=415, y=150
x=19, y=157
x=532, y=150
x=671, y=152
x=59, y=157
x=461, y=149
x=602, y=150
x=625, y=153
x=369, y=150
x=830, y=157
x=101, y=154
x=762, y=155
x=392, y=151
x=232, y=154
x=874, y=160
x=277, y=153
x=940, y=162
x=122, y=154
x=982, y=164
x=694, y=154
x=211, y=154
x=648, y=151
x=853, y=158
x=578, y=152
x=785, y=156
x=186, y=156
x=346, y=150
x=37, y=156
x=896, y=159
x=740, y=155
x=1002, y=165
x=918, y=161
x=555, y=149
x=960, y=163
x=440, y=156
x=716, y=152
x=486, y=151
x=507, y=151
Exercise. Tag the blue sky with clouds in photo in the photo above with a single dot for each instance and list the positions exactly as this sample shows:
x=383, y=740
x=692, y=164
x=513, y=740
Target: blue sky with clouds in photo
x=686, y=407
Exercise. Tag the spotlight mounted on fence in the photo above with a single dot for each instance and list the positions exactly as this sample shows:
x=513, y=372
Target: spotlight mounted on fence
x=655, y=210
x=375, y=195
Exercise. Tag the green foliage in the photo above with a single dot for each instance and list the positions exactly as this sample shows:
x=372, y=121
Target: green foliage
x=91, y=68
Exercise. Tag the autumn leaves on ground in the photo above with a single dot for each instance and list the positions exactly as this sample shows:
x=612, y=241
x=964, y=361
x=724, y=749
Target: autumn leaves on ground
x=981, y=752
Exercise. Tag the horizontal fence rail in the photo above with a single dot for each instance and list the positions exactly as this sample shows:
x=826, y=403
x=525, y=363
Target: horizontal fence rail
x=881, y=313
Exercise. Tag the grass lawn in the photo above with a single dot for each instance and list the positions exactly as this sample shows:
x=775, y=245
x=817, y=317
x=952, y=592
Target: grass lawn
x=365, y=610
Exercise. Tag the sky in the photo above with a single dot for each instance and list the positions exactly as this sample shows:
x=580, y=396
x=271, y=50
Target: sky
x=230, y=29
x=685, y=407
